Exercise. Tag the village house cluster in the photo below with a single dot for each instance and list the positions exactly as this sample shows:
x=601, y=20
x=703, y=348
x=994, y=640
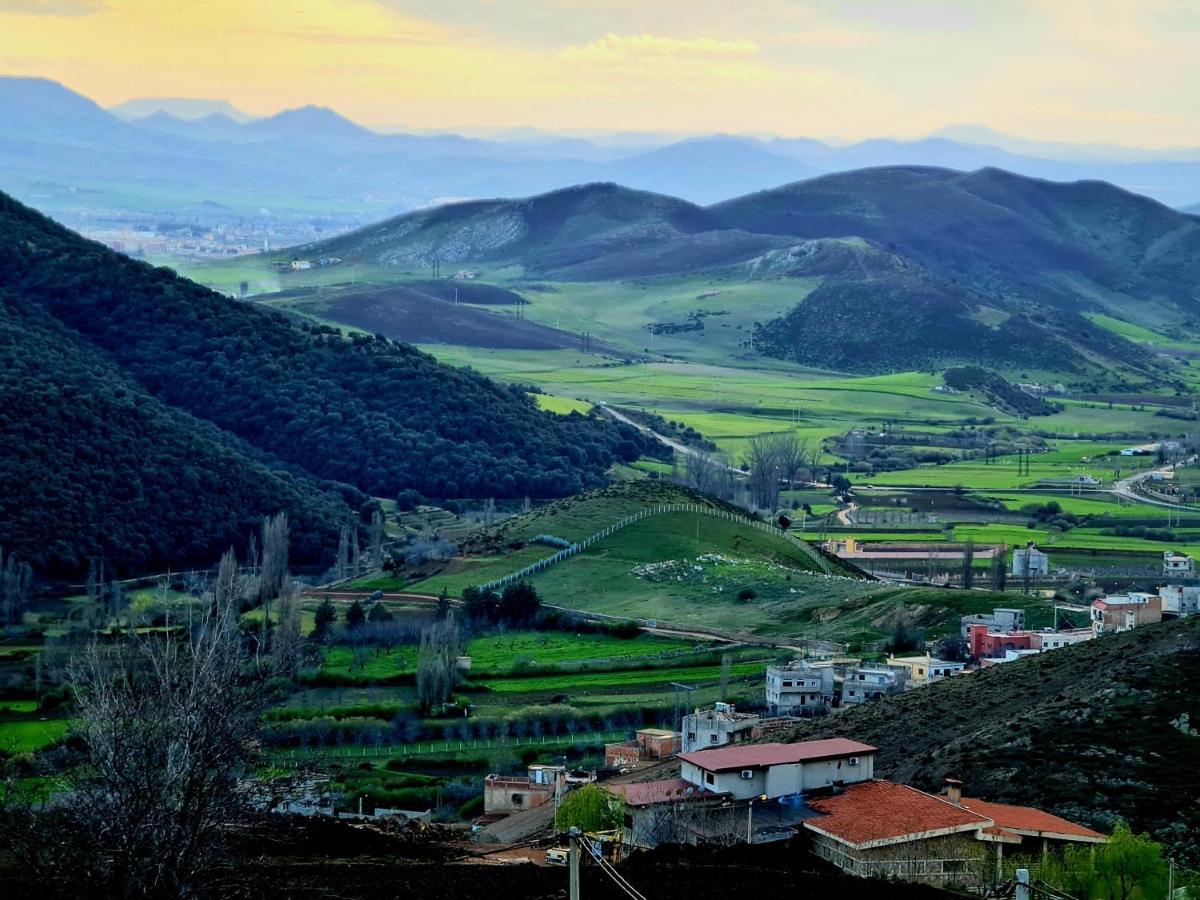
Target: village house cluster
x=827, y=790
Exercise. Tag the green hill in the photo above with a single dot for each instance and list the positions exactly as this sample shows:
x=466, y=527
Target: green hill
x=1103, y=730
x=697, y=568
x=917, y=267
x=369, y=414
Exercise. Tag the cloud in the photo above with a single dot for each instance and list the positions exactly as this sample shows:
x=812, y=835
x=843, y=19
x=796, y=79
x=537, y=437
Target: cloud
x=51, y=7
x=615, y=48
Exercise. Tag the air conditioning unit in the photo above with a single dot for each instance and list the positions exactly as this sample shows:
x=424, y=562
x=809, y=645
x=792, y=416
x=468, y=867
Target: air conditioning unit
x=747, y=774
x=853, y=760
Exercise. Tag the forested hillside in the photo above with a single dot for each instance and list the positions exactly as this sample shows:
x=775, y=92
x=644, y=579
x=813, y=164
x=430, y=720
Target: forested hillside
x=365, y=411
x=92, y=466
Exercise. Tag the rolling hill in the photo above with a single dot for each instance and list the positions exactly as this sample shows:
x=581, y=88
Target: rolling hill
x=918, y=267
x=1095, y=732
x=217, y=401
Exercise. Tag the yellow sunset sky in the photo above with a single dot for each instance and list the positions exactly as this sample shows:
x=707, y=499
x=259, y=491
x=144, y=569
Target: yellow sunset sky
x=1125, y=71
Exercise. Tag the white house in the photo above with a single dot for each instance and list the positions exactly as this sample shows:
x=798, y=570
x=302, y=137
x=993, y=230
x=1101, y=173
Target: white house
x=1175, y=563
x=779, y=770
x=1031, y=561
x=716, y=727
x=1180, y=599
x=866, y=683
x=799, y=689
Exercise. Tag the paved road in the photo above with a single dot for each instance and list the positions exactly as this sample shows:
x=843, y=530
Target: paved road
x=1126, y=488
x=661, y=438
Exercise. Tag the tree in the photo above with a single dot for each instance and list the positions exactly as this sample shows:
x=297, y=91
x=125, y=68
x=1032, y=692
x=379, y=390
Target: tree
x=1128, y=867
x=590, y=808
x=1000, y=569
x=323, y=620
x=762, y=462
x=791, y=452
x=273, y=572
x=14, y=588
x=355, y=616
x=968, y=564
x=379, y=614
x=441, y=612
x=481, y=605
x=519, y=603
x=343, y=553
x=437, y=664
x=168, y=723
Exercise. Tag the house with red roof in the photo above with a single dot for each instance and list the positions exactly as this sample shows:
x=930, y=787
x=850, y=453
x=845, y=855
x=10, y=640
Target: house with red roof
x=881, y=829
x=779, y=770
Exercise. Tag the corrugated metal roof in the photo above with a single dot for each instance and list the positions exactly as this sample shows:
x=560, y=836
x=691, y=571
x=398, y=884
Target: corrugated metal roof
x=754, y=756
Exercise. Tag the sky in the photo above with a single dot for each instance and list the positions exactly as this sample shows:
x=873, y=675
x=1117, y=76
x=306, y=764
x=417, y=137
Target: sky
x=1094, y=71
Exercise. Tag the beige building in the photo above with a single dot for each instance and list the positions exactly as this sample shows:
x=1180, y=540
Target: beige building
x=922, y=670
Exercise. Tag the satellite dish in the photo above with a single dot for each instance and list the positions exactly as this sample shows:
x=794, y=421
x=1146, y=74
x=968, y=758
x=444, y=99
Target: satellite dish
x=785, y=522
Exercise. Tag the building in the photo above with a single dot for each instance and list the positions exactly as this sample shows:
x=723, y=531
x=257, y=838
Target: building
x=886, y=830
x=504, y=794
x=799, y=689
x=1175, y=563
x=1180, y=599
x=986, y=644
x=779, y=770
x=922, y=670
x=997, y=620
x=1056, y=640
x=865, y=683
x=1029, y=561
x=1124, y=612
x=717, y=727
x=648, y=745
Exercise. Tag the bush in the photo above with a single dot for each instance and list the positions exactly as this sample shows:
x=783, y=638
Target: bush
x=747, y=594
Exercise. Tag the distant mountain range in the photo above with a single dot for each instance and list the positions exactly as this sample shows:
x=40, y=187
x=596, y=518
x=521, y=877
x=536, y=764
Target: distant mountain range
x=59, y=150
x=919, y=267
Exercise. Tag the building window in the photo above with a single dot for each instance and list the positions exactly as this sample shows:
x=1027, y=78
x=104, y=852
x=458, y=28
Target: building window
x=517, y=799
x=708, y=778
x=712, y=738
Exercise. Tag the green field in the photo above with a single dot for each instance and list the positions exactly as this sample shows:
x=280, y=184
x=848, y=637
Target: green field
x=31, y=735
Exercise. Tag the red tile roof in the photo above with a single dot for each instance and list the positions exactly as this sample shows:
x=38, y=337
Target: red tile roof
x=648, y=792
x=757, y=756
x=1027, y=820
x=879, y=812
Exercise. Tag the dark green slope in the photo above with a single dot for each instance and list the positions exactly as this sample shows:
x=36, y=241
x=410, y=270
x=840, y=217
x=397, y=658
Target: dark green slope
x=366, y=412
x=1103, y=730
x=91, y=465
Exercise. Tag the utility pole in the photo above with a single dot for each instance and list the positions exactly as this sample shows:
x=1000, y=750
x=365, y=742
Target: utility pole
x=574, y=860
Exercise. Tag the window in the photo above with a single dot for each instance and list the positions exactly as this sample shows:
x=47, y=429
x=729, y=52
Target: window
x=853, y=761
x=708, y=778
x=747, y=774
x=712, y=738
x=517, y=799
x=691, y=736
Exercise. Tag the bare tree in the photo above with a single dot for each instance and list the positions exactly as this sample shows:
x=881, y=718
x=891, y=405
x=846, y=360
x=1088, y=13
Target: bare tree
x=169, y=722
x=437, y=661
x=702, y=471
x=968, y=564
x=376, y=533
x=274, y=572
x=14, y=588
x=762, y=462
x=790, y=453
x=343, y=553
